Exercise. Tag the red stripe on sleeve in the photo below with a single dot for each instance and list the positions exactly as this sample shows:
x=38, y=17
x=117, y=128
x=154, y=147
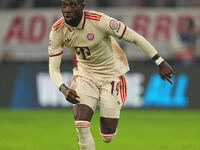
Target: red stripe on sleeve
x=55, y=54
x=123, y=33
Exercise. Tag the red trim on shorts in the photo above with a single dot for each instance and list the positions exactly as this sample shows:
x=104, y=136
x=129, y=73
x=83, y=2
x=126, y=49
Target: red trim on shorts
x=123, y=33
x=123, y=89
x=55, y=54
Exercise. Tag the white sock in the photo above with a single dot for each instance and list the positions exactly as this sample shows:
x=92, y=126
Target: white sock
x=85, y=139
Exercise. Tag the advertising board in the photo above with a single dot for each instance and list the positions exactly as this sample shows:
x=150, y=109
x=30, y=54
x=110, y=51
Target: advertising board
x=24, y=33
x=29, y=86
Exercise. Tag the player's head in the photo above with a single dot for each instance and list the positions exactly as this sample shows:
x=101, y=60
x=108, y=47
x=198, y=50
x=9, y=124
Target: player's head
x=72, y=11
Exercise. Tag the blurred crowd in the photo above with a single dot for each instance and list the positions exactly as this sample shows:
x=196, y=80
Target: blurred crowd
x=186, y=43
x=100, y=3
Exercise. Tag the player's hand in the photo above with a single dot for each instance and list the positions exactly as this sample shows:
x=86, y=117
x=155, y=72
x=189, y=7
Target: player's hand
x=165, y=71
x=70, y=94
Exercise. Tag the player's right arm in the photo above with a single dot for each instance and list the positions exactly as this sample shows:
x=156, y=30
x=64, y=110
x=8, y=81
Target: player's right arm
x=55, y=56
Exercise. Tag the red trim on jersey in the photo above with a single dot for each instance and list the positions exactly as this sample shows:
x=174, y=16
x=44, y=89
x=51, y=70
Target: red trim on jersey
x=62, y=23
x=59, y=24
x=55, y=26
x=55, y=54
x=84, y=20
x=88, y=15
x=68, y=28
x=94, y=14
x=123, y=33
x=92, y=18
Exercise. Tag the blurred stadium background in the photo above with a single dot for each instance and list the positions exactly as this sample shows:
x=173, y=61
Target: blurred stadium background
x=33, y=113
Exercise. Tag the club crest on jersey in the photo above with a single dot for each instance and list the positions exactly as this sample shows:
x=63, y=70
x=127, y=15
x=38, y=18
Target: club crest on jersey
x=113, y=24
x=90, y=36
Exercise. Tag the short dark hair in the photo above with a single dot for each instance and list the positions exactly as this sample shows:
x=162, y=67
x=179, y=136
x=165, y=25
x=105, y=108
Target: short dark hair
x=80, y=1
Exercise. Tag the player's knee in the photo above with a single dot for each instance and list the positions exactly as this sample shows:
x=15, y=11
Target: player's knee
x=108, y=137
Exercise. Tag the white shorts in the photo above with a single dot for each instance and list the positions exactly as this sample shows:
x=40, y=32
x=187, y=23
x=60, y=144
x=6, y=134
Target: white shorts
x=109, y=94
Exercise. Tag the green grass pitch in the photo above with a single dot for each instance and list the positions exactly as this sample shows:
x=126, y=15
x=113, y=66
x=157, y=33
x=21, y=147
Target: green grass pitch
x=139, y=129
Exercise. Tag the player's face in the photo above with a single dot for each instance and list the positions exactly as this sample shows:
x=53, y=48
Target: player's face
x=72, y=11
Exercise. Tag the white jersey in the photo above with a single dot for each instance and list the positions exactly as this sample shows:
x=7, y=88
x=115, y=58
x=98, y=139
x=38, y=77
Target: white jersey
x=98, y=54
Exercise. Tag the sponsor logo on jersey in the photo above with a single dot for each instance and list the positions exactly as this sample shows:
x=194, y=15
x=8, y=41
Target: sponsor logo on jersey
x=90, y=36
x=68, y=40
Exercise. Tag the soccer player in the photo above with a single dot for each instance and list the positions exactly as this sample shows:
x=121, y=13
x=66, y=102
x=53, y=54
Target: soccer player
x=99, y=75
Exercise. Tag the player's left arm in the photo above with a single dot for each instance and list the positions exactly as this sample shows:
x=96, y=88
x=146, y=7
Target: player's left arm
x=121, y=31
x=164, y=69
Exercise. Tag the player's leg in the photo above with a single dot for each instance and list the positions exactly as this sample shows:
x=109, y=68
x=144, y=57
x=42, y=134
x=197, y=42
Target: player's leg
x=108, y=128
x=112, y=98
x=83, y=113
